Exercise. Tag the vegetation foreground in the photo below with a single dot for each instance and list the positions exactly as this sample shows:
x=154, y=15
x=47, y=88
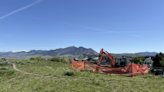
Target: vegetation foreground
x=59, y=77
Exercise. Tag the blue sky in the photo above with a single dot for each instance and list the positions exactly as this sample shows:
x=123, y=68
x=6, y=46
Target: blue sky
x=118, y=26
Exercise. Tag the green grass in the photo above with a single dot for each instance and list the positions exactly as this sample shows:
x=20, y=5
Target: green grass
x=79, y=81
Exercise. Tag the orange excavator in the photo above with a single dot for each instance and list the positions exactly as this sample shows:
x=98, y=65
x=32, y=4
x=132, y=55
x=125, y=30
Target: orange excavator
x=108, y=55
x=129, y=70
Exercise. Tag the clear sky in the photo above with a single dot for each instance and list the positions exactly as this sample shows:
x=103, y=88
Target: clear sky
x=118, y=26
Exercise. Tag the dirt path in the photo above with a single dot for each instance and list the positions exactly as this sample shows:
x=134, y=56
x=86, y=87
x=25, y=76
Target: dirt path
x=14, y=66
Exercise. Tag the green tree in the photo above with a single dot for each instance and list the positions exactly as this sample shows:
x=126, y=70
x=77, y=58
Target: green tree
x=162, y=62
x=151, y=62
x=63, y=59
x=157, y=59
x=138, y=60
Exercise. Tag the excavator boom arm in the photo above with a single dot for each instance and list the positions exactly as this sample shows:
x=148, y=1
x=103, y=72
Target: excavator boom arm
x=108, y=55
x=101, y=54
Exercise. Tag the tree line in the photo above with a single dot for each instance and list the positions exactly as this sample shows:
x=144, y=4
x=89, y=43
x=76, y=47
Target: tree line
x=158, y=60
x=55, y=59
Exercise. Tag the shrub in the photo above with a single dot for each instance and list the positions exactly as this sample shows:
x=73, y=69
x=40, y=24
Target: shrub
x=5, y=63
x=22, y=63
x=37, y=58
x=69, y=73
x=96, y=83
x=32, y=58
x=55, y=59
x=4, y=68
x=7, y=73
x=30, y=62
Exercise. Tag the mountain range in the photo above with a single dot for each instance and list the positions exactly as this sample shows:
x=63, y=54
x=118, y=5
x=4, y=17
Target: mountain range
x=142, y=53
x=72, y=50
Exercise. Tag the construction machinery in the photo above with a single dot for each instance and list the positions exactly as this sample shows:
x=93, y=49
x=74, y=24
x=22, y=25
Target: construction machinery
x=109, y=57
x=109, y=61
x=110, y=65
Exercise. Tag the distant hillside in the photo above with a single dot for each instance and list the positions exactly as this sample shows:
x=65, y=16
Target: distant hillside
x=68, y=51
x=142, y=53
x=6, y=52
x=2, y=52
x=147, y=53
x=72, y=50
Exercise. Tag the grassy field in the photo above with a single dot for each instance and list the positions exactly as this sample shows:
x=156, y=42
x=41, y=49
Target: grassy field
x=53, y=77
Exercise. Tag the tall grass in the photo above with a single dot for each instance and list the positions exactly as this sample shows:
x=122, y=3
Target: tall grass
x=79, y=81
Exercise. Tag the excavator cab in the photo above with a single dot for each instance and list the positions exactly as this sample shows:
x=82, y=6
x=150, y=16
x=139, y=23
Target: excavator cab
x=120, y=62
x=105, y=62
